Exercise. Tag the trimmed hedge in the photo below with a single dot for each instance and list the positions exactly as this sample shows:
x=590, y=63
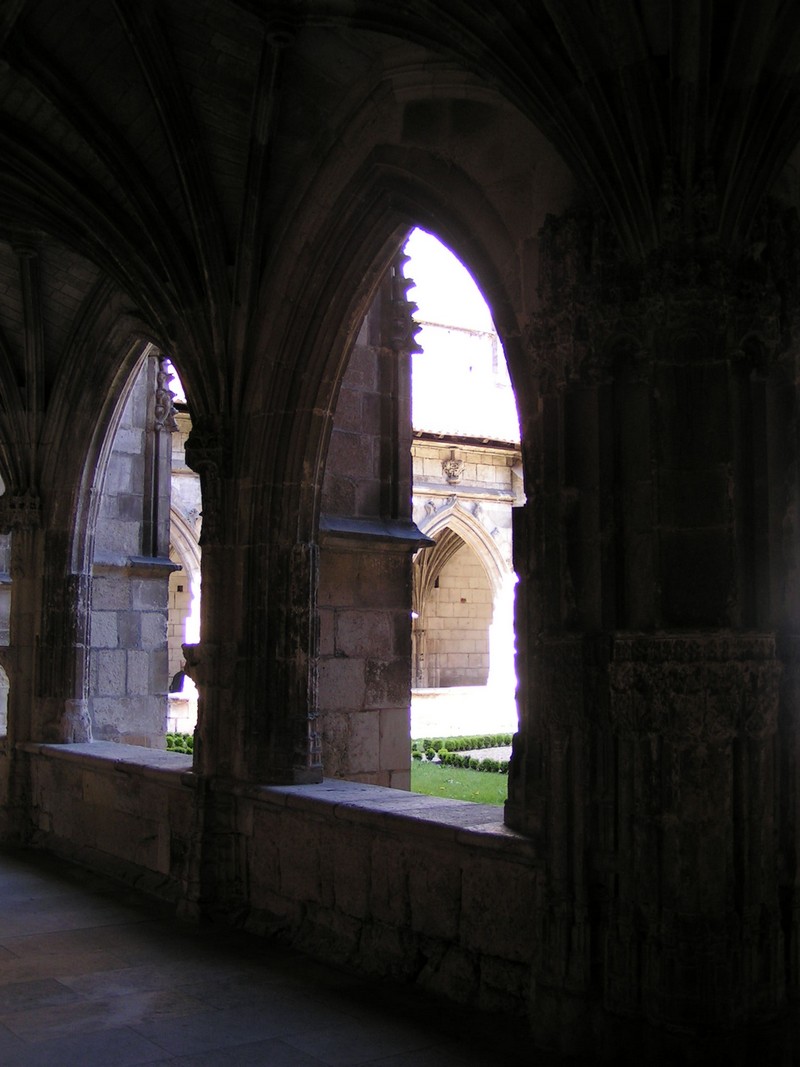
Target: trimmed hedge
x=180, y=743
x=456, y=759
x=449, y=749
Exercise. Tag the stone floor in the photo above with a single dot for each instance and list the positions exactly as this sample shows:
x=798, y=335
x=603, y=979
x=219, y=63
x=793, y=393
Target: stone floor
x=92, y=975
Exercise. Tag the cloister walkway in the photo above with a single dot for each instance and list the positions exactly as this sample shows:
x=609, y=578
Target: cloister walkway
x=93, y=975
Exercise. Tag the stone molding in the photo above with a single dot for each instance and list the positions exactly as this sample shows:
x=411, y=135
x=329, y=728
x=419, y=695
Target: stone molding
x=399, y=327
x=135, y=566
x=392, y=533
x=164, y=409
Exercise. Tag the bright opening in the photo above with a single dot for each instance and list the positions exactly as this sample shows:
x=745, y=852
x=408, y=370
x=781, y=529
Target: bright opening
x=467, y=478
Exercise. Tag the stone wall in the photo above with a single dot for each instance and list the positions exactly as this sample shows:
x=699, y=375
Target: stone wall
x=456, y=621
x=121, y=809
x=391, y=883
x=128, y=672
x=180, y=600
x=128, y=663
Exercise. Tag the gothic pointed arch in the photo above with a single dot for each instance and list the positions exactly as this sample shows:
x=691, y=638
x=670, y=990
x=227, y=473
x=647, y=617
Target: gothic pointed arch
x=393, y=191
x=454, y=517
x=356, y=243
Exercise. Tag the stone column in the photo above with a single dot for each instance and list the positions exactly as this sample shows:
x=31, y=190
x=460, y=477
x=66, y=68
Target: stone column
x=255, y=665
x=657, y=557
x=211, y=663
x=21, y=518
x=46, y=658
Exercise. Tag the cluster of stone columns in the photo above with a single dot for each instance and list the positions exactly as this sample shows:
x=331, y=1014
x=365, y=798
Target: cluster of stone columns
x=656, y=760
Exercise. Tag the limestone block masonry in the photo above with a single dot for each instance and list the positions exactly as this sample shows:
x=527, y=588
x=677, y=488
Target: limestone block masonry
x=128, y=634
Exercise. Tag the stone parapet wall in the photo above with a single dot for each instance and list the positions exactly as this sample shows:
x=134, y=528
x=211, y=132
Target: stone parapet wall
x=433, y=891
x=121, y=809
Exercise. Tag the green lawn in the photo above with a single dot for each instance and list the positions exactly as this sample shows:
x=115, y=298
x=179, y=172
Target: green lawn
x=458, y=783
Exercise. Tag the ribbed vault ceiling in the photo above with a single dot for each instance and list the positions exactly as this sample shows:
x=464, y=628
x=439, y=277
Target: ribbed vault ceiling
x=165, y=148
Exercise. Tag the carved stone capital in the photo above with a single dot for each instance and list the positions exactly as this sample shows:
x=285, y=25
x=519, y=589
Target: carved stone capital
x=689, y=290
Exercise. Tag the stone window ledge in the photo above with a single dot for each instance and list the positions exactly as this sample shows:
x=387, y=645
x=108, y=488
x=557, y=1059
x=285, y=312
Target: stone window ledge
x=129, y=759
x=147, y=566
x=411, y=815
x=476, y=825
x=400, y=533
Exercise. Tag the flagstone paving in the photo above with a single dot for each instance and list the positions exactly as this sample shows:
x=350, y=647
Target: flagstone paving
x=93, y=975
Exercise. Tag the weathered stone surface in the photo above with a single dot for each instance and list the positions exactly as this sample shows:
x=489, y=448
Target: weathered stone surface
x=389, y=883
x=451, y=973
x=153, y=630
x=111, y=671
x=104, y=629
x=341, y=683
x=351, y=874
x=149, y=594
x=434, y=892
x=299, y=858
x=394, y=734
x=352, y=742
x=360, y=634
x=387, y=683
x=138, y=673
x=504, y=895
x=110, y=594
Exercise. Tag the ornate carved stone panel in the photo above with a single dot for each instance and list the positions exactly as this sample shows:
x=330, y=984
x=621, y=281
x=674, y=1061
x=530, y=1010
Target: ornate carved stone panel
x=695, y=689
